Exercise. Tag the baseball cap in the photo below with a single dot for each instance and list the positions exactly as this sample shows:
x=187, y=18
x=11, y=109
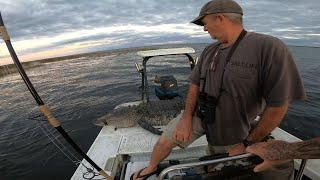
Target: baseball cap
x=217, y=6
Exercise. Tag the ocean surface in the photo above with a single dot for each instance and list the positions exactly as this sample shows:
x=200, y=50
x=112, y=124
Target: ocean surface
x=80, y=90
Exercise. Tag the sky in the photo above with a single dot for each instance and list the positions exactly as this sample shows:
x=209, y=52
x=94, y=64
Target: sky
x=50, y=28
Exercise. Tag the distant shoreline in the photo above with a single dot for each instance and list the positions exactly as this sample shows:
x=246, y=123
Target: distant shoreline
x=10, y=68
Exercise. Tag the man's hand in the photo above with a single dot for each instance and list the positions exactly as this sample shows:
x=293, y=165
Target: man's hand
x=237, y=149
x=183, y=130
x=268, y=153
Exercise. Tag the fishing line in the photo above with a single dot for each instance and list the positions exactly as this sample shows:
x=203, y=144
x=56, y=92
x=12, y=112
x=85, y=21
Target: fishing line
x=75, y=160
x=59, y=145
x=42, y=107
x=66, y=152
x=54, y=138
x=62, y=145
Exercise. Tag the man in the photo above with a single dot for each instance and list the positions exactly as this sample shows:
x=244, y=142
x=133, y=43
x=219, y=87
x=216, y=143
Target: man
x=232, y=81
x=279, y=152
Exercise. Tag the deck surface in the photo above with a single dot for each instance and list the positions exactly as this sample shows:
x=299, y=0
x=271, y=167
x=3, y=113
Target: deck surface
x=135, y=140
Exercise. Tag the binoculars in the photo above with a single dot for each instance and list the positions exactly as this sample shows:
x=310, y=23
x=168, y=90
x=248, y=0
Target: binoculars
x=206, y=109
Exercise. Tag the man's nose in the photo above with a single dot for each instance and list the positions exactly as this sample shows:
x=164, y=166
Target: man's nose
x=205, y=28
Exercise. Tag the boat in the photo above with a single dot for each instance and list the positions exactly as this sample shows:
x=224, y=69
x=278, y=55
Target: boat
x=123, y=151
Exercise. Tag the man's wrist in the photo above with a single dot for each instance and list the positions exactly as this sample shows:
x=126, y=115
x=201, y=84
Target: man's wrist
x=187, y=117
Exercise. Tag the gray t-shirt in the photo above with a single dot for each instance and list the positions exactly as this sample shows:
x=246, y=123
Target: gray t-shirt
x=261, y=71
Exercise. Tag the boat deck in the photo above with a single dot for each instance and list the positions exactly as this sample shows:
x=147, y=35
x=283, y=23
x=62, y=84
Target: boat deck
x=135, y=140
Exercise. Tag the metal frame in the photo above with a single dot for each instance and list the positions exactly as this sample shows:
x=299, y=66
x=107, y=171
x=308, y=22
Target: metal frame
x=301, y=169
x=201, y=163
x=232, y=158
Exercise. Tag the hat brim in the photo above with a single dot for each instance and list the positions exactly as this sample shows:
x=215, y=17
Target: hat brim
x=198, y=20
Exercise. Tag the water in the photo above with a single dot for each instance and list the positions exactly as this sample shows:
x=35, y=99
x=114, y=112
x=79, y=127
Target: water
x=80, y=90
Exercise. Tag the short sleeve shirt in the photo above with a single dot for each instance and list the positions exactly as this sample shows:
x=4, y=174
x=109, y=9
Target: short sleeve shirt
x=261, y=70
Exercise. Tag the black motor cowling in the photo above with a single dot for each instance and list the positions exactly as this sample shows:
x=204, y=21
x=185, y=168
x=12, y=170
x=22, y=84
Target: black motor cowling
x=168, y=88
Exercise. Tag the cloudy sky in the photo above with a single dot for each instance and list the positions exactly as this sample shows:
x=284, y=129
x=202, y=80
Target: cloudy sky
x=48, y=28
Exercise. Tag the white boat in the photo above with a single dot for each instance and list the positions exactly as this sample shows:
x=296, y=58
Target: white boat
x=123, y=151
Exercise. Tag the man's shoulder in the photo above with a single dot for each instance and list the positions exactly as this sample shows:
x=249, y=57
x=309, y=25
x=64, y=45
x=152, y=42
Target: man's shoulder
x=261, y=36
x=264, y=39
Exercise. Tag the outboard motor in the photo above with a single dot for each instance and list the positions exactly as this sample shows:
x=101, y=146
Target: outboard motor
x=168, y=88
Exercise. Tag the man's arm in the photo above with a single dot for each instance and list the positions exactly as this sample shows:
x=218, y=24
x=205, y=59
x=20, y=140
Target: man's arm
x=278, y=152
x=270, y=119
x=191, y=100
x=184, y=127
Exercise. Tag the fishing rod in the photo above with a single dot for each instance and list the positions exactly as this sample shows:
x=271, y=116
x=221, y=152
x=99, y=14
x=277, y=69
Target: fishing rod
x=42, y=107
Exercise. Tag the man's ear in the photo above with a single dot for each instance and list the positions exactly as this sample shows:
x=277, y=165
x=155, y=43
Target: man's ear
x=220, y=17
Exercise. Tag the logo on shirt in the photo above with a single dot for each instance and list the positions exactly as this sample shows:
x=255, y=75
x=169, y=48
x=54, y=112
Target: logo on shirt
x=245, y=65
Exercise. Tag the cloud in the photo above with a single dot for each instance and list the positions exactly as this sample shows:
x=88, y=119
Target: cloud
x=47, y=25
x=283, y=19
